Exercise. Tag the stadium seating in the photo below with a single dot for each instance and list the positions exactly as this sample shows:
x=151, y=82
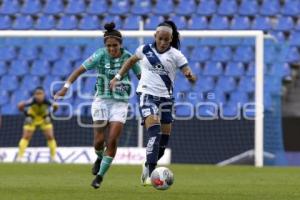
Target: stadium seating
x=221, y=64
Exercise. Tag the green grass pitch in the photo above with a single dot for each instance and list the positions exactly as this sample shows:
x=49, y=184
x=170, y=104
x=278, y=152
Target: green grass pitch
x=192, y=182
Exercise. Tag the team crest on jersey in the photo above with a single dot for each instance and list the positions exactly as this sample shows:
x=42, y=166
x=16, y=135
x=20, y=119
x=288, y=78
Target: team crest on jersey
x=149, y=54
x=107, y=66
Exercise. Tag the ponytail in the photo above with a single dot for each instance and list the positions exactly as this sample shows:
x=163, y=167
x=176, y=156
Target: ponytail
x=176, y=38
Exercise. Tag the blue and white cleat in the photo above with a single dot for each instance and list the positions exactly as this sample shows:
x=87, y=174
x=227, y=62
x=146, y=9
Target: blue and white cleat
x=145, y=179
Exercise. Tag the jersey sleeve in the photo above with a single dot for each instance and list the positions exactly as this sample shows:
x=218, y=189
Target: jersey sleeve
x=139, y=52
x=93, y=61
x=180, y=60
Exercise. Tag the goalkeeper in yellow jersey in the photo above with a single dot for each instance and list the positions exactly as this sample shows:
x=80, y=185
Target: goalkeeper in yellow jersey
x=37, y=115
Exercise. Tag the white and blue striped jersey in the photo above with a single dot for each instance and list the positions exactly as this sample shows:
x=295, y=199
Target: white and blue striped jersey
x=158, y=70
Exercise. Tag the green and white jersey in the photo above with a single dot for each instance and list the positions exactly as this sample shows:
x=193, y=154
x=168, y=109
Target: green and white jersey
x=107, y=67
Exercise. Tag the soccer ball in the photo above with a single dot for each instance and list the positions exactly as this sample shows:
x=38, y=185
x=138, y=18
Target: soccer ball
x=162, y=178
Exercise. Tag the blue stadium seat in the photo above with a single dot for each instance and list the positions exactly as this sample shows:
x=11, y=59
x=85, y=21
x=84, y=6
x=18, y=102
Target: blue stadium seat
x=240, y=23
x=132, y=22
x=233, y=42
x=239, y=97
x=197, y=23
x=270, y=54
x=5, y=22
x=204, y=84
x=244, y=54
x=75, y=7
x=182, y=84
x=45, y=22
x=18, y=67
x=4, y=98
x=9, y=82
x=226, y=83
x=3, y=67
x=293, y=55
x=89, y=22
x=181, y=22
x=97, y=7
x=207, y=8
x=23, y=22
x=152, y=21
x=31, y=7
x=272, y=85
x=281, y=69
x=227, y=7
x=196, y=67
x=61, y=68
x=163, y=7
x=284, y=24
x=29, y=82
x=112, y=18
x=185, y=7
x=270, y=8
x=246, y=84
x=54, y=7
x=29, y=52
x=7, y=52
x=261, y=23
x=207, y=110
x=207, y=41
x=217, y=95
x=119, y=7
x=88, y=51
x=297, y=25
x=9, y=109
x=141, y=7
x=10, y=7
x=234, y=69
x=213, y=68
x=67, y=22
x=48, y=81
x=218, y=23
x=249, y=8
x=18, y=96
x=279, y=35
x=295, y=38
x=50, y=53
x=40, y=68
x=72, y=52
x=183, y=109
x=291, y=8
x=250, y=69
x=229, y=110
x=201, y=53
x=222, y=53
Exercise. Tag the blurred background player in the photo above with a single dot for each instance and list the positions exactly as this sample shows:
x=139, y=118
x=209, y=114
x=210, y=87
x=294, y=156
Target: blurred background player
x=37, y=115
x=109, y=108
x=159, y=62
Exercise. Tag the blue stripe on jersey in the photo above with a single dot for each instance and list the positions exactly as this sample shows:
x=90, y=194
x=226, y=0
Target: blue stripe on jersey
x=154, y=61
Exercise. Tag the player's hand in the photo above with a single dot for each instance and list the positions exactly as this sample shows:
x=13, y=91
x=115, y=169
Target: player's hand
x=192, y=78
x=61, y=93
x=112, y=83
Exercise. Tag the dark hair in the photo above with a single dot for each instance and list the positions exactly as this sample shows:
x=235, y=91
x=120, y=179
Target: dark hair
x=112, y=32
x=176, y=40
x=38, y=88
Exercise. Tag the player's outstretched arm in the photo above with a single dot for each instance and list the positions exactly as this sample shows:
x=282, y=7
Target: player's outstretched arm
x=189, y=74
x=125, y=68
x=77, y=72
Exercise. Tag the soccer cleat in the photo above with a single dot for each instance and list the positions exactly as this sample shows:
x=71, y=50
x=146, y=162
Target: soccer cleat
x=145, y=179
x=97, y=182
x=96, y=166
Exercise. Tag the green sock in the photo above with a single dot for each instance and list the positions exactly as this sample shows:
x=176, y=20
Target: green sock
x=105, y=164
x=99, y=153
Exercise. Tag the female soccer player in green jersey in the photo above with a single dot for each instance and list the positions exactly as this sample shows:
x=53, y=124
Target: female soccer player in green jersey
x=109, y=107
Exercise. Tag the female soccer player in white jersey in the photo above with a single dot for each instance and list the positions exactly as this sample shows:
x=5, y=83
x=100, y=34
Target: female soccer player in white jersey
x=109, y=108
x=159, y=62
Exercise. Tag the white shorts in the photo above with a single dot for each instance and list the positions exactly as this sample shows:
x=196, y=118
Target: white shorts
x=109, y=110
